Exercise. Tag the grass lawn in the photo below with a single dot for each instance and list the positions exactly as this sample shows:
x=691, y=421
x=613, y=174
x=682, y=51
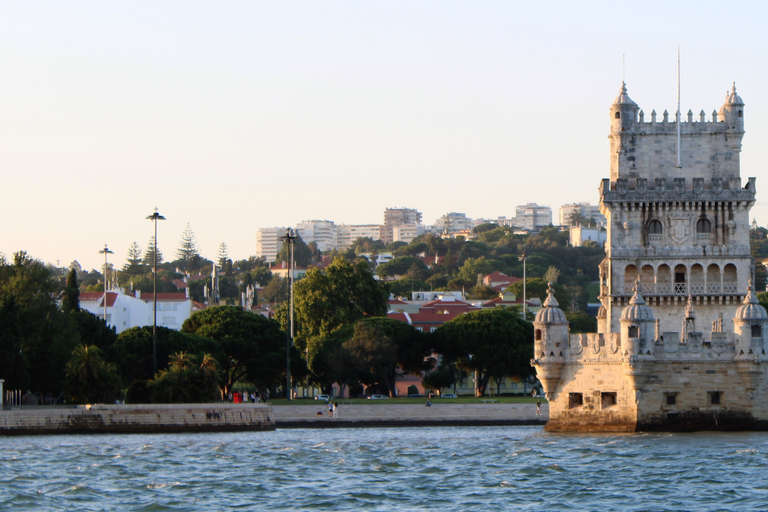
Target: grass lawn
x=414, y=401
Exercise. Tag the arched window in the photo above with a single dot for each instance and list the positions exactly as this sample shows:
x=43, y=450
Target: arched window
x=538, y=334
x=654, y=227
x=757, y=331
x=633, y=331
x=618, y=115
x=703, y=226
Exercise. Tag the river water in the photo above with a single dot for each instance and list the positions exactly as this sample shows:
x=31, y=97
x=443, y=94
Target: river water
x=386, y=469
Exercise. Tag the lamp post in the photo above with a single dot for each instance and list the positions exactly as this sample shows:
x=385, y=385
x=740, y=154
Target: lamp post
x=289, y=238
x=523, y=258
x=105, y=252
x=154, y=217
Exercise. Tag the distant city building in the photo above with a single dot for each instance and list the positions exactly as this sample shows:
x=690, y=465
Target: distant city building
x=268, y=243
x=533, y=217
x=580, y=234
x=400, y=217
x=452, y=222
x=406, y=232
x=323, y=232
x=347, y=233
x=586, y=210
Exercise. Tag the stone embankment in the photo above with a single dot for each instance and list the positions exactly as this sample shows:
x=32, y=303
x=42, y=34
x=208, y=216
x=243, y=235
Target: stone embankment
x=406, y=415
x=139, y=419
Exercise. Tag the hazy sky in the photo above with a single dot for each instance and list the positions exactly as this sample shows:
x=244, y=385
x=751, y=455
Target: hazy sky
x=232, y=116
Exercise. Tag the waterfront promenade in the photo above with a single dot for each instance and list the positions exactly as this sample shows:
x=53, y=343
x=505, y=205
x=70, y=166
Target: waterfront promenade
x=354, y=415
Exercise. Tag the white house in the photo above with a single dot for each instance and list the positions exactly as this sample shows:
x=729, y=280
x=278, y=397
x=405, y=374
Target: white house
x=125, y=311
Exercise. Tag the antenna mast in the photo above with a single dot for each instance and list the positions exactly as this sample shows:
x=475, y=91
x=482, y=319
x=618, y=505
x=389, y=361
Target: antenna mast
x=679, y=163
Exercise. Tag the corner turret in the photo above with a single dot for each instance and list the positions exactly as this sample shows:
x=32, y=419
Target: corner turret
x=623, y=111
x=638, y=326
x=550, y=342
x=732, y=112
x=750, y=323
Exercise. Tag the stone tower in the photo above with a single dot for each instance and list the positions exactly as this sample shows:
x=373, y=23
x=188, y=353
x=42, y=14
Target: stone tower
x=678, y=215
x=682, y=341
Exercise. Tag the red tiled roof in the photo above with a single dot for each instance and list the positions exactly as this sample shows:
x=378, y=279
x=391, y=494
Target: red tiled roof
x=167, y=297
x=99, y=296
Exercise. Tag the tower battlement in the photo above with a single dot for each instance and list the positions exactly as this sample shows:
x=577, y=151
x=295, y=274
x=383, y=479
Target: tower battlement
x=659, y=149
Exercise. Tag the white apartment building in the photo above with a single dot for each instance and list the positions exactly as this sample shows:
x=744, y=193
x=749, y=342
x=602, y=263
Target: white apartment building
x=586, y=210
x=348, y=233
x=268, y=243
x=322, y=232
x=579, y=235
x=532, y=217
x=406, y=232
x=452, y=222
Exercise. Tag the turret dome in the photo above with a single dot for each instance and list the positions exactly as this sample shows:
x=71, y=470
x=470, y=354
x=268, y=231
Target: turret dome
x=623, y=98
x=637, y=311
x=550, y=313
x=732, y=98
x=751, y=309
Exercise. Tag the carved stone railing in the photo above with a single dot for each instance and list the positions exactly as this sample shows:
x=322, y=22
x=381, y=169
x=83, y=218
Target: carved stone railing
x=682, y=288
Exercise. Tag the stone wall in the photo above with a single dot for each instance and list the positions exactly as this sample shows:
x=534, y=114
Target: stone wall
x=139, y=418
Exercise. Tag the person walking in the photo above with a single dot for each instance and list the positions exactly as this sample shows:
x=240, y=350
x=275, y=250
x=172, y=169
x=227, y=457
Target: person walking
x=538, y=407
x=335, y=409
x=330, y=410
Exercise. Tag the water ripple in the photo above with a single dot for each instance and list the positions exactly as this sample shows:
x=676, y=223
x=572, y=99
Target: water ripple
x=414, y=469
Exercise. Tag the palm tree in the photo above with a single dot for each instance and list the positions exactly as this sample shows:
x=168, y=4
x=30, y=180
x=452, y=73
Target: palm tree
x=89, y=378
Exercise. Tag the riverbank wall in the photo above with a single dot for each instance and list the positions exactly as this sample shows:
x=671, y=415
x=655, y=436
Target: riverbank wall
x=136, y=419
x=408, y=415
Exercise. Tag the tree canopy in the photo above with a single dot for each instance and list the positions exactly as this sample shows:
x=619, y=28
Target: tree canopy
x=328, y=299
x=495, y=343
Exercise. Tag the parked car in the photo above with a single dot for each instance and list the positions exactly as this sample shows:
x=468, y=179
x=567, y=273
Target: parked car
x=415, y=396
x=323, y=397
x=378, y=397
x=448, y=395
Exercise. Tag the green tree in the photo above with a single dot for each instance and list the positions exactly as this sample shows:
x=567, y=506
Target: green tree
x=302, y=254
x=277, y=290
x=538, y=288
x=36, y=333
x=581, y=322
x=327, y=299
x=89, y=378
x=134, y=264
x=444, y=376
x=132, y=352
x=187, y=250
x=374, y=354
x=262, y=275
x=254, y=346
x=404, y=265
x=495, y=343
x=70, y=300
x=186, y=381
x=373, y=350
x=152, y=250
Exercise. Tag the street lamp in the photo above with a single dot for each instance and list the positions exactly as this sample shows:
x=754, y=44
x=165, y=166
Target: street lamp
x=105, y=251
x=154, y=217
x=289, y=238
x=523, y=258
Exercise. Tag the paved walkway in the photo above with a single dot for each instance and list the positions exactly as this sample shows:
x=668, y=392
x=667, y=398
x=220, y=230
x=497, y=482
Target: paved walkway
x=393, y=414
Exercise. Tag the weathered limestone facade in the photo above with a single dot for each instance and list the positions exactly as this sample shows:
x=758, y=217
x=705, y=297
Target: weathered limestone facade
x=681, y=341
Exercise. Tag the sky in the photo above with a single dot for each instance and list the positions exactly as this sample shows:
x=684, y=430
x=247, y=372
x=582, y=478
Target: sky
x=233, y=116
